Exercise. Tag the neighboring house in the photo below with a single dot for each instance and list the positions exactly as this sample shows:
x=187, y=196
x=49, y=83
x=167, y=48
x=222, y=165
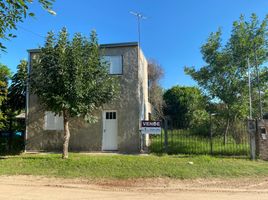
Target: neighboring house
x=118, y=126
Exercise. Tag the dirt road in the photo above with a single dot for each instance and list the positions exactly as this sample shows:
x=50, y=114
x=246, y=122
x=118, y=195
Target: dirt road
x=35, y=188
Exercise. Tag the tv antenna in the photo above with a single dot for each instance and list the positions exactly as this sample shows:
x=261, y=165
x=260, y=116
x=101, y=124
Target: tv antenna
x=139, y=18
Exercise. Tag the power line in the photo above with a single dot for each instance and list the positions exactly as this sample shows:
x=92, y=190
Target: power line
x=30, y=31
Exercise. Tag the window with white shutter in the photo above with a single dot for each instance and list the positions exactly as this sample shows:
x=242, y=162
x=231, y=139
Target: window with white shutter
x=52, y=121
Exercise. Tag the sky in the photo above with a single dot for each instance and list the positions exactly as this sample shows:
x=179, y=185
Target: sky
x=172, y=34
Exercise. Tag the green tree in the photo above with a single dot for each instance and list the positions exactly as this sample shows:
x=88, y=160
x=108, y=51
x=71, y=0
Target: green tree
x=185, y=106
x=224, y=77
x=14, y=11
x=15, y=101
x=4, y=77
x=17, y=89
x=71, y=79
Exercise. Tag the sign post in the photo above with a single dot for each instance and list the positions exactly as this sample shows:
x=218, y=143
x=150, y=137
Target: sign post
x=149, y=127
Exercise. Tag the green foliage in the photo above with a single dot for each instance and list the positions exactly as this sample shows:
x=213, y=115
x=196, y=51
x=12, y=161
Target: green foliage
x=4, y=77
x=71, y=79
x=200, y=123
x=17, y=89
x=224, y=77
x=14, y=11
x=71, y=76
x=185, y=106
x=14, y=104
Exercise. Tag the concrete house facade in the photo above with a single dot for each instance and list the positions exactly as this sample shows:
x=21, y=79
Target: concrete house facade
x=118, y=126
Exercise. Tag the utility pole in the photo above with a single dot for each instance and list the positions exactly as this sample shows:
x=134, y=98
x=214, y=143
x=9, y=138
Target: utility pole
x=251, y=122
x=249, y=90
x=258, y=82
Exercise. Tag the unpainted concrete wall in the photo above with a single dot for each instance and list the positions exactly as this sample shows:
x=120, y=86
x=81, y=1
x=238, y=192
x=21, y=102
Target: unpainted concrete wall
x=88, y=137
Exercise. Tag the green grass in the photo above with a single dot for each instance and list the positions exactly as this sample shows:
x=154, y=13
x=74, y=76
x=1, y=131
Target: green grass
x=183, y=142
x=131, y=166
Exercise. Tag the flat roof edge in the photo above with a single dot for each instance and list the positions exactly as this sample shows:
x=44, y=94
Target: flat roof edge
x=33, y=50
x=126, y=44
x=112, y=45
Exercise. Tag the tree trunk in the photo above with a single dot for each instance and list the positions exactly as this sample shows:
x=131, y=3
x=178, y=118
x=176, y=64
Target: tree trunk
x=226, y=131
x=66, y=135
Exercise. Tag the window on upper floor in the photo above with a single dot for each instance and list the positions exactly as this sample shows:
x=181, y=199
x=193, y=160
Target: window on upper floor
x=115, y=64
x=52, y=121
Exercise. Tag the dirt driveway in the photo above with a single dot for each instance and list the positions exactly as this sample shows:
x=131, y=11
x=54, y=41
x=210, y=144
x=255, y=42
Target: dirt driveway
x=29, y=188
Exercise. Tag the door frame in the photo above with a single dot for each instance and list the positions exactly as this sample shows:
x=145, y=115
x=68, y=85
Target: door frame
x=103, y=126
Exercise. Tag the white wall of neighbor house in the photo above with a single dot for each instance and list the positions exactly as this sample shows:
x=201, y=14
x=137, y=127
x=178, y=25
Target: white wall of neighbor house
x=143, y=73
x=143, y=78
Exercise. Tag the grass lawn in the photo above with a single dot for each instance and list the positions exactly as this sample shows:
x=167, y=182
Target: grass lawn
x=131, y=166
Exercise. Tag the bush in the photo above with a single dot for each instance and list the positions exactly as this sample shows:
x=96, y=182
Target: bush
x=200, y=123
x=10, y=144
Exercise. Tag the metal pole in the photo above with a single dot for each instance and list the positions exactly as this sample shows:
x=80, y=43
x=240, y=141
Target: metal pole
x=258, y=82
x=139, y=17
x=252, y=130
x=211, y=133
x=166, y=136
x=211, y=144
x=249, y=90
x=252, y=133
x=139, y=31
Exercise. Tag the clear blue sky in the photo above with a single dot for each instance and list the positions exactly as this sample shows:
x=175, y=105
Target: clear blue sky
x=172, y=34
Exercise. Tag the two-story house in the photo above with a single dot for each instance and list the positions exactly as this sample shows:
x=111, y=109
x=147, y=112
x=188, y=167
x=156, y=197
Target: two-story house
x=118, y=126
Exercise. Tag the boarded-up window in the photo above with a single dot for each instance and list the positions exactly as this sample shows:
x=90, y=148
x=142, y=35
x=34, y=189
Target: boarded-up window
x=115, y=64
x=52, y=121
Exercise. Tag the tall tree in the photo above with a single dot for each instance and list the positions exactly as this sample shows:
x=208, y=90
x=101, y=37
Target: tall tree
x=14, y=11
x=155, y=73
x=224, y=78
x=17, y=89
x=4, y=78
x=71, y=79
x=15, y=101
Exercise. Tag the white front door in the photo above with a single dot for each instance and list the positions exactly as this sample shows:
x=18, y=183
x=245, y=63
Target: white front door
x=109, y=136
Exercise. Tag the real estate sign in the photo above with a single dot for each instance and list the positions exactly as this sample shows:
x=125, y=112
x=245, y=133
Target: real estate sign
x=150, y=127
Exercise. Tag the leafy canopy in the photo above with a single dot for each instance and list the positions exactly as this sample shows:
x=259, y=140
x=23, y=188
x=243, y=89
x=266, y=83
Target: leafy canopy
x=14, y=11
x=224, y=77
x=70, y=76
x=17, y=89
x=5, y=75
x=184, y=105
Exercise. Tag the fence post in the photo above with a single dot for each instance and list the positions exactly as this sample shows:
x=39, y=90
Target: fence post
x=211, y=134
x=166, y=135
x=252, y=131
